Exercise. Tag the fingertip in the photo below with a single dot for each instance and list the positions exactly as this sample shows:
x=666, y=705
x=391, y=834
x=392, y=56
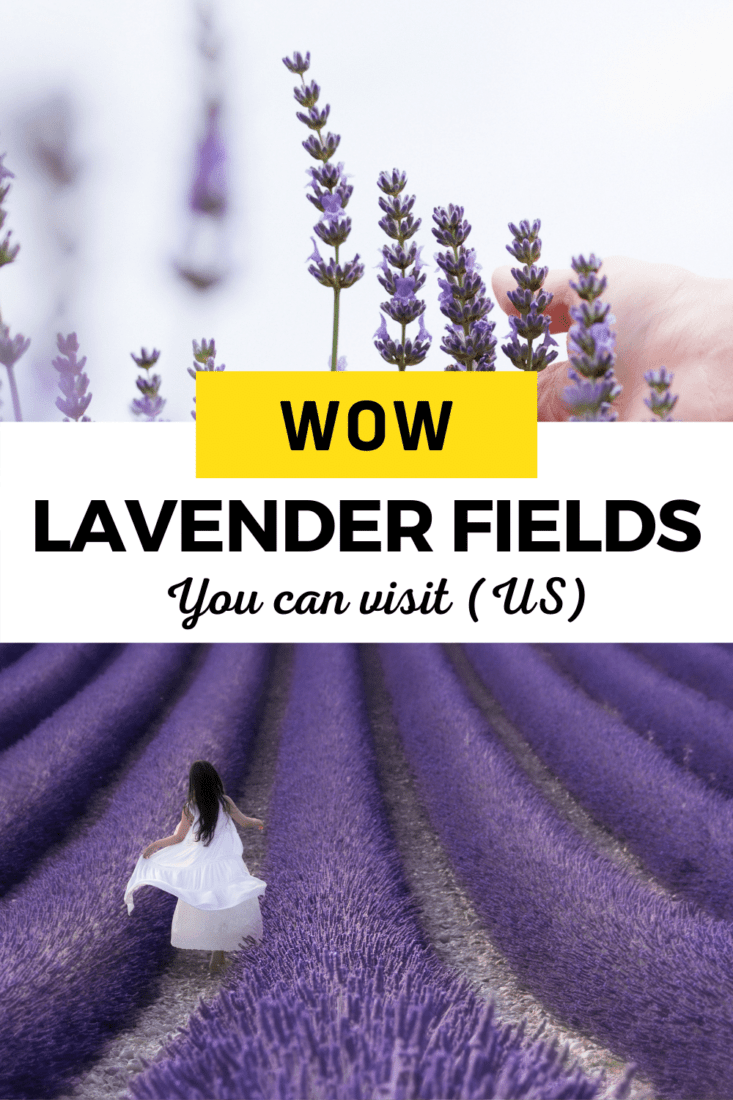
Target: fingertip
x=502, y=282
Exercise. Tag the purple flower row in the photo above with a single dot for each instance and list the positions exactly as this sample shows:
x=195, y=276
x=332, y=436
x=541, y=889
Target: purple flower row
x=680, y=830
x=649, y=976
x=40, y=681
x=343, y=998
x=706, y=668
x=73, y=966
x=695, y=731
x=48, y=777
x=11, y=651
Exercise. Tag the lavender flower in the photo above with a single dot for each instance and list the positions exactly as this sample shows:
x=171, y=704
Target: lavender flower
x=8, y=252
x=10, y=350
x=591, y=347
x=403, y=306
x=209, y=189
x=331, y=193
x=469, y=336
x=151, y=403
x=531, y=301
x=204, y=358
x=660, y=400
x=73, y=383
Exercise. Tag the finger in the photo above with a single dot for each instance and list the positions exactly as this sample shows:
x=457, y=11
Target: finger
x=551, y=384
x=557, y=283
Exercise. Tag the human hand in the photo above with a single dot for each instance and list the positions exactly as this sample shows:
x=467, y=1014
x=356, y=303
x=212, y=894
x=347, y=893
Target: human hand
x=665, y=316
x=149, y=851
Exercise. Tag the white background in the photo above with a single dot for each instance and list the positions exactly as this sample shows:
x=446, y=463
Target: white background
x=610, y=122
x=647, y=595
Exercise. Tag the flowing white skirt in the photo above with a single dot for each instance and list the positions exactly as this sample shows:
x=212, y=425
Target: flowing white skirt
x=218, y=899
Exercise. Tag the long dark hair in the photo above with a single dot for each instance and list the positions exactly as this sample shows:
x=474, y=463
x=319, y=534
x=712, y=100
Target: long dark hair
x=206, y=794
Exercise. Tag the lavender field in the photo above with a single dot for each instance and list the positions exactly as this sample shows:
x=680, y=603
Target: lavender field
x=577, y=798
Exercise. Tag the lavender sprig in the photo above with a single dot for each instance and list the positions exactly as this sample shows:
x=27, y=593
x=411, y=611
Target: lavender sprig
x=469, y=336
x=404, y=307
x=660, y=400
x=151, y=403
x=73, y=383
x=331, y=193
x=531, y=301
x=591, y=347
x=10, y=349
x=204, y=358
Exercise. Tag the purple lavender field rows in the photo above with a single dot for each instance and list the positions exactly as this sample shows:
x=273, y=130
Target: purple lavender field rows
x=40, y=681
x=695, y=731
x=73, y=965
x=681, y=830
x=649, y=976
x=344, y=998
x=49, y=775
x=706, y=668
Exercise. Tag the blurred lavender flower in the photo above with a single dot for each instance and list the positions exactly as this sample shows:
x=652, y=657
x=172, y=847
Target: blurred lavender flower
x=331, y=193
x=150, y=405
x=660, y=400
x=403, y=306
x=11, y=349
x=469, y=338
x=591, y=347
x=531, y=301
x=73, y=383
x=204, y=358
x=205, y=265
x=8, y=252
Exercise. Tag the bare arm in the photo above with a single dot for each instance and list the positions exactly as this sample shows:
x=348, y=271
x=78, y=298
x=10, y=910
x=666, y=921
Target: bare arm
x=175, y=838
x=242, y=819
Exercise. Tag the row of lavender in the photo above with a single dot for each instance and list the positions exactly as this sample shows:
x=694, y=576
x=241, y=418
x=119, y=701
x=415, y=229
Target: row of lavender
x=649, y=975
x=344, y=998
x=681, y=830
x=73, y=966
x=49, y=776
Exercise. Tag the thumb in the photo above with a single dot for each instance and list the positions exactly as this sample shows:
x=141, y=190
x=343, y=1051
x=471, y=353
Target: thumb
x=557, y=283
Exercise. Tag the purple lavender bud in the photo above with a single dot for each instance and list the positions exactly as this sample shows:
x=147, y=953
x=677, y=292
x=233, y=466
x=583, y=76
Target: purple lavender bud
x=314, y=119
x=73, y=383
x=145, y=360
x=298, y=64
x=204, y=358
x=307, y=96
x=660, y=401
x=392, y=183
x=331, y=192
x=209, y=189
x=463, y=299
x=8, y=252
x=404, y=307
x=11, y=349
x=591, y=347
x=530, y=301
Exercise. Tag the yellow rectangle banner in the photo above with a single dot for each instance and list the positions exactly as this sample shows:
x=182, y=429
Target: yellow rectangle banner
x=327, y=424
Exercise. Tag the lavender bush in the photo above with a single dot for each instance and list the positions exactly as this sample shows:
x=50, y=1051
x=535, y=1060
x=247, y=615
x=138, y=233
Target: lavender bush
x=469, y=338
x=404, y=306
x=63, y=761
x=41, y=680
x=651, y=977
x=331, y=193
x=531, y=301
x=73, y=383
x=73, y=966
x=11, y=651
x=695, y=731
x=681, y=831
x=591, y=347
x=343, y=998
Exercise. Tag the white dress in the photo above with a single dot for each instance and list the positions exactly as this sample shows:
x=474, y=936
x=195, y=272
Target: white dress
x=218, y=899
